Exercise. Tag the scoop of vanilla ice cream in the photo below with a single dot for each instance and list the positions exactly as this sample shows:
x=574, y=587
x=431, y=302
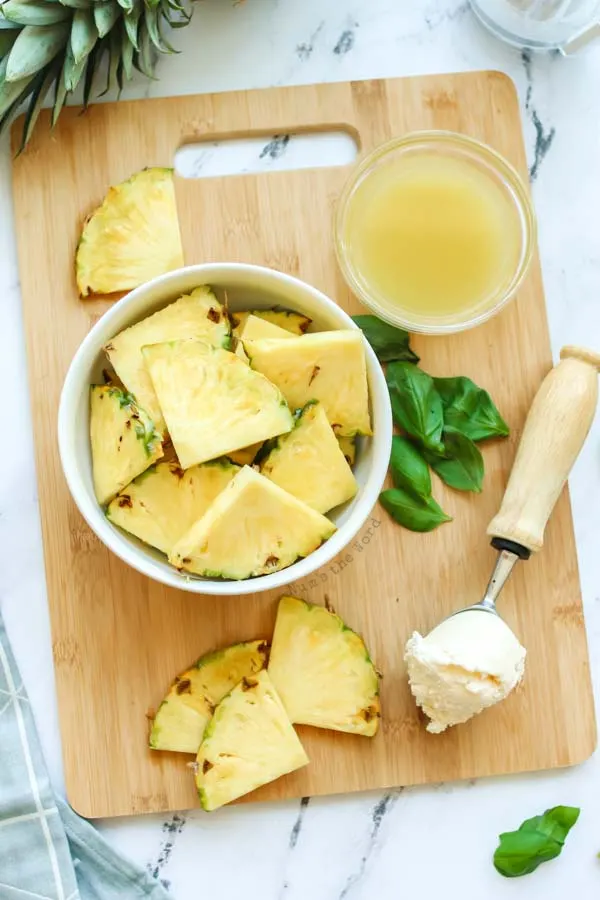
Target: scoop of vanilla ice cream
x=467, y=663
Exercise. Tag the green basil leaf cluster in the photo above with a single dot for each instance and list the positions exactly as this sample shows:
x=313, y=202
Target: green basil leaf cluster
x=440, y=419
x=535, y=842
x=410, y=502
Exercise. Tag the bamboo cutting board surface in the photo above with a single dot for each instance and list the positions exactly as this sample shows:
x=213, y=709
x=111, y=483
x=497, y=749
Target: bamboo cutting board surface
x=118, y=639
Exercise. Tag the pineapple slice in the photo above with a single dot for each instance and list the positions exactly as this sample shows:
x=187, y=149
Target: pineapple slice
x=309, y=463
x=348, y=448
x=249, y=742
x=132, y=237
x=124, y=442
x=212, y=402
x=164, y=502
x=255, y=328
x=283, y=318
x=245, y=456
x=195, y=315
x=328, y=366
x=187, y=709
x=322, y=670
x=252, y=528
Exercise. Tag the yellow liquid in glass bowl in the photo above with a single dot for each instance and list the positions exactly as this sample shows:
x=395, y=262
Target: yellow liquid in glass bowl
x=431, y=240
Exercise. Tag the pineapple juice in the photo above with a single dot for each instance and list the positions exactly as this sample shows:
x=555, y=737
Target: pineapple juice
x=429, y=237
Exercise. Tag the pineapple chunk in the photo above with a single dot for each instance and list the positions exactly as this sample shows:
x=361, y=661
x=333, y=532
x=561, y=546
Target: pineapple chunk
x=283, y=318
x=162, y=504
x=249, y=742
x=254, y=328
x=322, y=670
x=328, y=366
x=187, y=709
x=212, y=402
x=245, y=456
x=195, y=315
x=252, y=528
x=309, y=464
x=124, y=442
x=348, y=448
x=132, y=237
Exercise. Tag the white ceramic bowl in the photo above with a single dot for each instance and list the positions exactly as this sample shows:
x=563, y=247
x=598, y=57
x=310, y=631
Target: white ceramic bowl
x=246, y=286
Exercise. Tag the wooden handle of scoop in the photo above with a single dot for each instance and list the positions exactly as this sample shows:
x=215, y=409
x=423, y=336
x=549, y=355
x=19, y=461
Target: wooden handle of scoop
x=556, y=427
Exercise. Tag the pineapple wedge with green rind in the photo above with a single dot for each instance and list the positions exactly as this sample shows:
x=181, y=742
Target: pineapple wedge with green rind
x=249, y=742
x=329, y=366
x=309, y=463
x=187, y=709
x=291, y=321
x=195, y=315
x=164, y=502
x=252, y=528
x=132, y=237
x=348, y=448
x=322, y=670
x=124, y=442
x=212, y=402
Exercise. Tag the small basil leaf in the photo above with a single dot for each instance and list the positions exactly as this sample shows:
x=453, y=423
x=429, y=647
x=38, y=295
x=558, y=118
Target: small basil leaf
x=388, y=342
x=409, y=469
x=416, y=405
x=414, y=513
x=470, y=409
x=536, y=841
x=461, y=466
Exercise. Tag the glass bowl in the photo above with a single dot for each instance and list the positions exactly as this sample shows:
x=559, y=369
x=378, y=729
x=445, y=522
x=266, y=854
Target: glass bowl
x=487, y=169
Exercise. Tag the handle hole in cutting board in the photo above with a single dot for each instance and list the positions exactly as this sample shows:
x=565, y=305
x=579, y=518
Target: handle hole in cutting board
x=265, y=153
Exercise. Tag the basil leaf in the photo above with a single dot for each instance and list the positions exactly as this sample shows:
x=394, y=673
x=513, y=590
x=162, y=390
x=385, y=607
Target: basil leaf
x=470, y=409
x=414, y=513
x=409, y=469
x=536, y=841
x=388, y=342
x=461, y=466
x=416, y=405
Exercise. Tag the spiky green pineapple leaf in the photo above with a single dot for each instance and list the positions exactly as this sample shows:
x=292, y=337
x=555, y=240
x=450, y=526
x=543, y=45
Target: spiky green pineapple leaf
x=127, y=49
x=92, y=68
x=144, y=59
x=35, y=47
x=60, y=96
x=73, y=70
x=34, y=12
x=152, y=21
x=105, y=17
x=127, y=5
x=9, y=90
x=131, y=21
x=38, y=96
x=84, y=34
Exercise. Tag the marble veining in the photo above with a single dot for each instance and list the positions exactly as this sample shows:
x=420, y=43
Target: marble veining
x=434, y=841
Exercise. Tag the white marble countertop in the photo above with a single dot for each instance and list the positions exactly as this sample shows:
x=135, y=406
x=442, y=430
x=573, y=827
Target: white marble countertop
x=436, y=841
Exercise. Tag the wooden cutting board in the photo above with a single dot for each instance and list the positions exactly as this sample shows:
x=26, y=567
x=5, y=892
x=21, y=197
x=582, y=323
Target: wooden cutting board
x=118, y=639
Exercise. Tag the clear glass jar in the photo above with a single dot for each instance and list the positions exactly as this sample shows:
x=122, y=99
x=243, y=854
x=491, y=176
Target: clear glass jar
x=564, y=25
x=478, y=159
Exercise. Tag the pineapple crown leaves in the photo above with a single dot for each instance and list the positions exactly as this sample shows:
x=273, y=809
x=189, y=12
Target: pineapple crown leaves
x=62, y=43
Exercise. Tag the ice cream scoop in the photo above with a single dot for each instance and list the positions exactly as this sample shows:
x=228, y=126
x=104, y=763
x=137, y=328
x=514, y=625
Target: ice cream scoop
x=473, y=660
